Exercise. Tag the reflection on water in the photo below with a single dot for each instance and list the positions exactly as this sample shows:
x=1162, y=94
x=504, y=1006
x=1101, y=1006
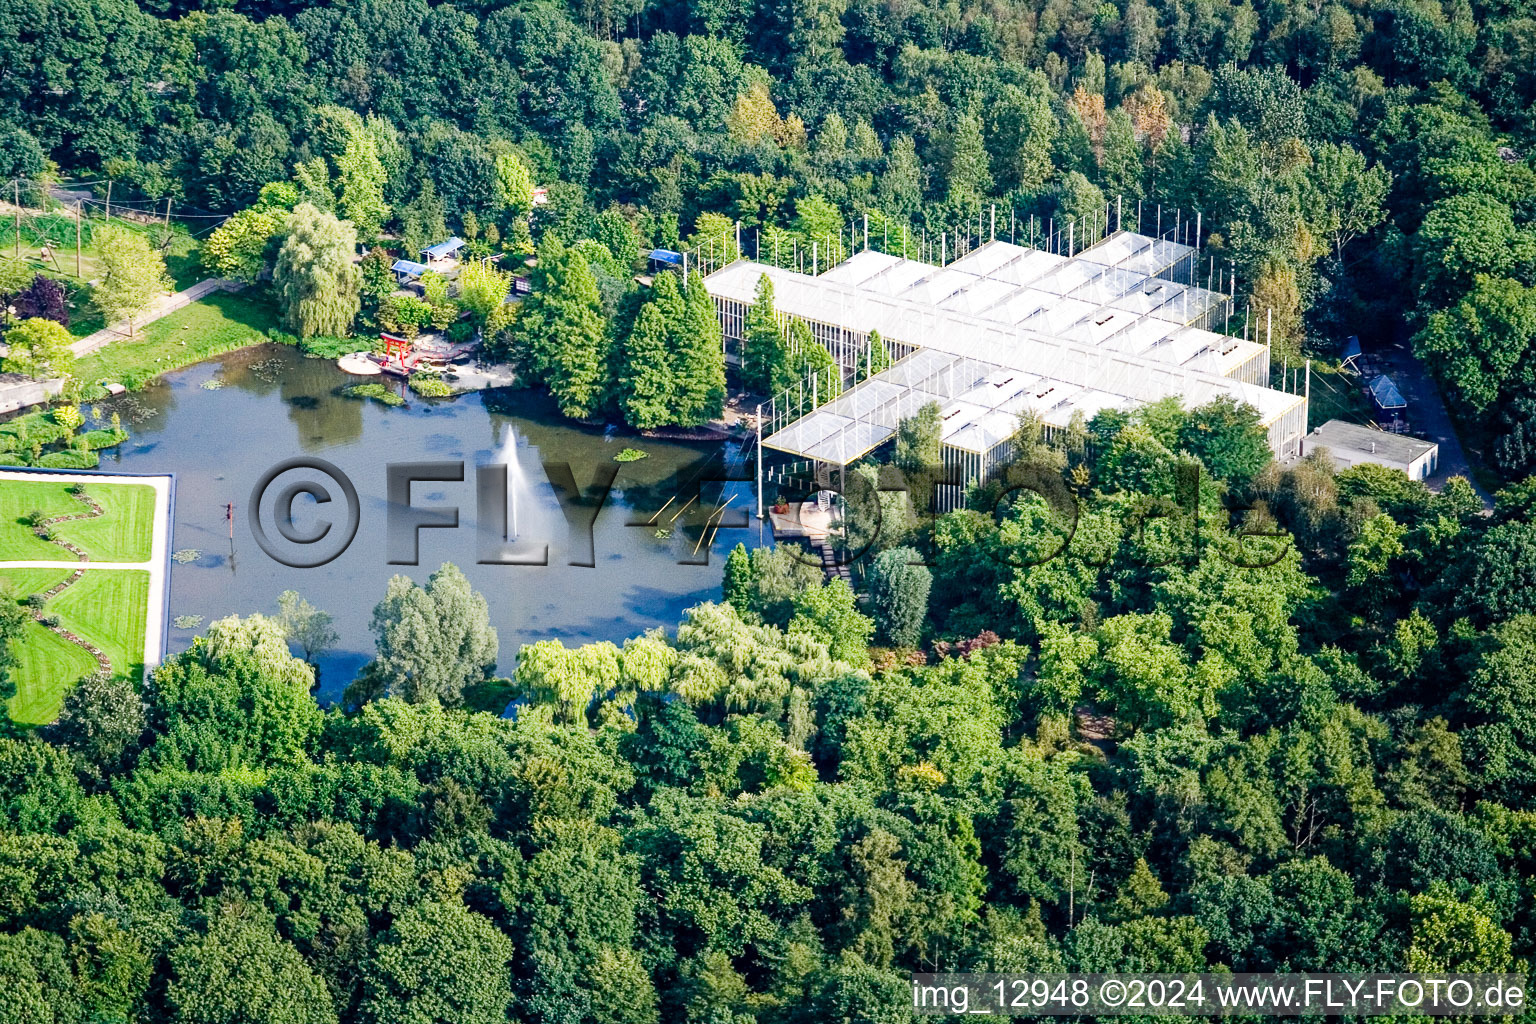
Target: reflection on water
x=271, y=404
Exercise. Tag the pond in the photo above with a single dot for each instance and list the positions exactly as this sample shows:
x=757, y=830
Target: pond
x=220, y=425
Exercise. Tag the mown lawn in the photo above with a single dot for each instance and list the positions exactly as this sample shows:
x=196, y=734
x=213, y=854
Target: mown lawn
x=122, y=535
x=47, y=665
x=22, y=582
x=107, y=607
x=220, y=323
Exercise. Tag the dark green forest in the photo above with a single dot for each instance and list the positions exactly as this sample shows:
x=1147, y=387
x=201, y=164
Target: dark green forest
x=1185, y=709
x=1122, y=727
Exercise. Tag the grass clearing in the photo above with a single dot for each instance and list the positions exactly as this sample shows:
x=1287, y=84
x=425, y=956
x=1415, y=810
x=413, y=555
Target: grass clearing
x=55, y=232
x=220, y=323
x=123, y=534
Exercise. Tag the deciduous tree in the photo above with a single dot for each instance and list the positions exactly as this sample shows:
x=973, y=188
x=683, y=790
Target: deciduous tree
x=38, y=348
x=132, y=275
x=433, y=641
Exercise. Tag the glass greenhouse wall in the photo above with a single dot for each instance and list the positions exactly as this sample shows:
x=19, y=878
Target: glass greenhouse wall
x=999, y=331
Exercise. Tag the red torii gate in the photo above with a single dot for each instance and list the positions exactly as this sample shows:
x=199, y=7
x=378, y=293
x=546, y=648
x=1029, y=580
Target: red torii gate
x=399, y=349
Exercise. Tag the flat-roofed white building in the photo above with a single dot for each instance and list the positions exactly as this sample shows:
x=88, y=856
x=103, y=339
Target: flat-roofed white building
x=1004, y=329
x=1350, y=444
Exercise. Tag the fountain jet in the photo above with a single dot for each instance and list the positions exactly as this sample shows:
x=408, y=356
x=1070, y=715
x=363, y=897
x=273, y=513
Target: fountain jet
x=506, y=454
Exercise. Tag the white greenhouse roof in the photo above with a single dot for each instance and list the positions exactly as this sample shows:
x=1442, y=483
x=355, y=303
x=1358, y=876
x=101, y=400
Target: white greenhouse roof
x=1098, y=330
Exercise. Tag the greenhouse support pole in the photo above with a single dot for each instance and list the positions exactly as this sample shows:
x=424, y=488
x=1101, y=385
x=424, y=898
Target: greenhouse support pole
x=759, y=461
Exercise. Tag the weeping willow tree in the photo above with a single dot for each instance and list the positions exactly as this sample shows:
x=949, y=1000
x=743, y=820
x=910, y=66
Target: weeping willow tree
x=317, y=283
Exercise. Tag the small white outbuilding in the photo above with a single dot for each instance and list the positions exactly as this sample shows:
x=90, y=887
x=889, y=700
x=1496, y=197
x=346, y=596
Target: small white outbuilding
x=1350, y=444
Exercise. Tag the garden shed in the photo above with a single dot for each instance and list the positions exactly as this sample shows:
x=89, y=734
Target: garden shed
x=443, y=251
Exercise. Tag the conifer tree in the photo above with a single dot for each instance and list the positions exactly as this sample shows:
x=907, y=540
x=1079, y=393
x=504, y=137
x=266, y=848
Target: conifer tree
x=876, y=357
x=646, y=385
x=562, y=333
x=764, y=347
x=807, y=357
x=666, y=294
x=898, y=591
x=737, y=588
x=699, y=371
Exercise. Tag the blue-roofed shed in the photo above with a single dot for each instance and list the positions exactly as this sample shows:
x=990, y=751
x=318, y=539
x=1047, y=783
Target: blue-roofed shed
x=1389, y=405
x=667, y=257
x=443, y=250
x=405, y=270
x=1385, y=395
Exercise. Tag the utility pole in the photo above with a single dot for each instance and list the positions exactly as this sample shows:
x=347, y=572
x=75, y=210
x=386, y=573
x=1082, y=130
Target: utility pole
x=77, y=238
x=109, y=200
x=167, y=211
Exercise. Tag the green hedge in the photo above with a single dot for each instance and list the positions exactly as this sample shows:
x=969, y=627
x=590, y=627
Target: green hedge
x=69, y=460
